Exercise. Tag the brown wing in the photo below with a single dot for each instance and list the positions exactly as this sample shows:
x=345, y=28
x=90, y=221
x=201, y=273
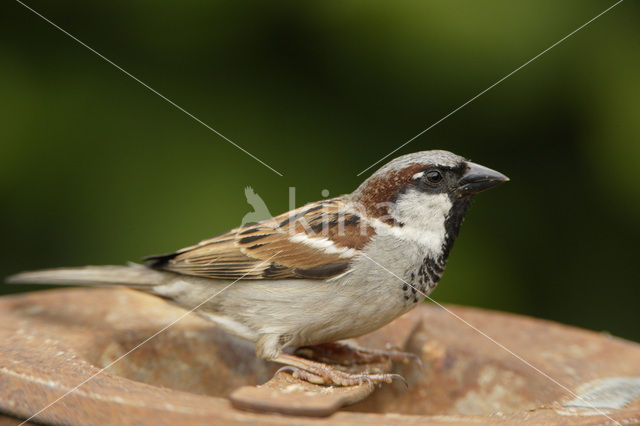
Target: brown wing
x=315, y=241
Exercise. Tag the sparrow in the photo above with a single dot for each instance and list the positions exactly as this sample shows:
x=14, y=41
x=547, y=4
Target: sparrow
x=331, y=270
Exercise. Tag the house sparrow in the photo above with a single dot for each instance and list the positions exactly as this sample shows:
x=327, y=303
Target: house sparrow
x=321, y=273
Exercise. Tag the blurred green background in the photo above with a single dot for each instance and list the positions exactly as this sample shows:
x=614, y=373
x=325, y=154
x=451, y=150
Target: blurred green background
x=96, y=169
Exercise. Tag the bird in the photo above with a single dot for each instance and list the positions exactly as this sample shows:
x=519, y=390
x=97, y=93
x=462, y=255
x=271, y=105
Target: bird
x=328, y=271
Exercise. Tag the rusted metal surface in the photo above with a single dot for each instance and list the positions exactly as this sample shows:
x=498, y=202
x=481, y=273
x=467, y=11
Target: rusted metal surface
x=52, y=341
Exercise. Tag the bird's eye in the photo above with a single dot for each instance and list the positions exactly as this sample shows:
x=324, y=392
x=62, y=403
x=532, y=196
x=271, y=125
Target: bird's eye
x=434, y=176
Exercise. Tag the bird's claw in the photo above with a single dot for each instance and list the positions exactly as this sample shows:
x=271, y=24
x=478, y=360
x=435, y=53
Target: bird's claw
x=292, y=370
x=415, y=358
x=340, y=378
x=402, y=379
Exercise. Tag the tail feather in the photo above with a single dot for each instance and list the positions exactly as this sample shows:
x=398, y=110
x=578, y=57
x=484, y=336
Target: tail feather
x=134, y=276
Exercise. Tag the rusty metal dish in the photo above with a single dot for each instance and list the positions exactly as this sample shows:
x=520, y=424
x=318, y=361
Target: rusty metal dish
x=192, y=373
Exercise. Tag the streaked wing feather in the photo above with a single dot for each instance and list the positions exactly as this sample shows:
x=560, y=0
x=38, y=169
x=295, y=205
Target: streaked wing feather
x=316, y=241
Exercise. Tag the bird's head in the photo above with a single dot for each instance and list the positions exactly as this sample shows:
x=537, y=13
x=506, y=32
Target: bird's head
x=428, y=190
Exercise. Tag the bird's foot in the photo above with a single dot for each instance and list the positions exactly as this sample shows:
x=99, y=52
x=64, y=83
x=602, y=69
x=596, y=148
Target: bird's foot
x=343, y=353
x=323, y=374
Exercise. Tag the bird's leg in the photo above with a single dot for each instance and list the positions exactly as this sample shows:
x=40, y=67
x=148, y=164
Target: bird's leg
x=344, y=353
x=323, y=374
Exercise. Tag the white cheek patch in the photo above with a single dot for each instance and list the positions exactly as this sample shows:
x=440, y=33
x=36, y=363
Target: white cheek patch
x=423, y=216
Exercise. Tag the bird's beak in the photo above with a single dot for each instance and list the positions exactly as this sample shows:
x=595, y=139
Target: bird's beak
x=478, y=178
